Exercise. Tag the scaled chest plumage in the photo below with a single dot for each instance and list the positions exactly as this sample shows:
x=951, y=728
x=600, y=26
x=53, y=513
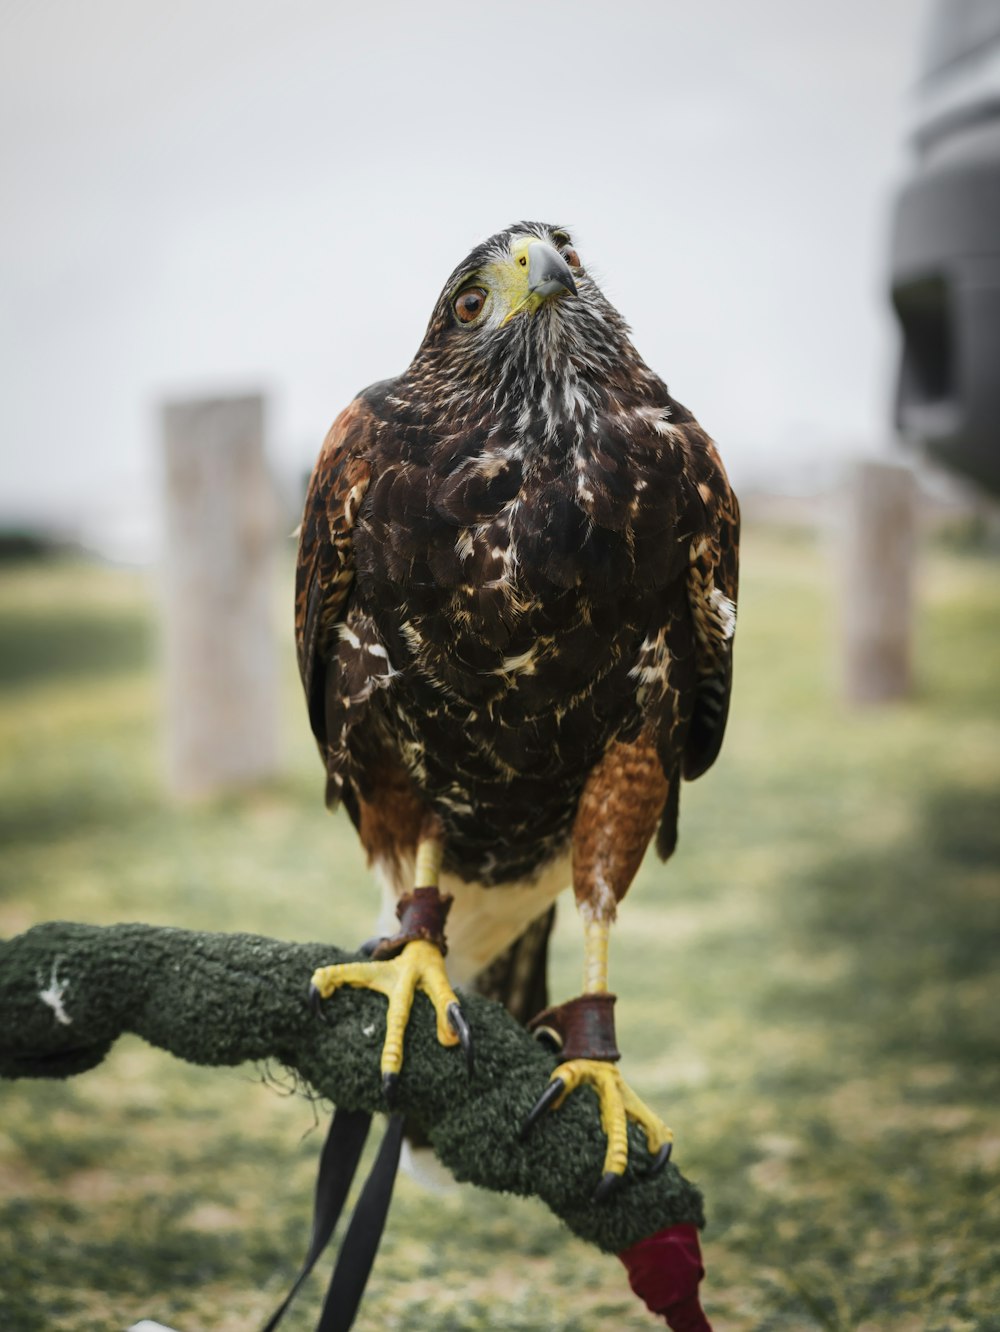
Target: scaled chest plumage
x=512, y=578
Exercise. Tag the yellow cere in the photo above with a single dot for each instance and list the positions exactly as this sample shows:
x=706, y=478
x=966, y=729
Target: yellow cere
x=507, y=281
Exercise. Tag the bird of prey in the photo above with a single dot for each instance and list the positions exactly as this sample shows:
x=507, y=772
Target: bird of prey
x=515, y=605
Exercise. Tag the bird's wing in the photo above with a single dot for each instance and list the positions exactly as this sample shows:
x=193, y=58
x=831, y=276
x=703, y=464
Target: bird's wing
x=712, y=586
x=324, y=574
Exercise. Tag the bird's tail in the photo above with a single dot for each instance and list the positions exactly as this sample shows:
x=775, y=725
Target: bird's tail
x=518, y=978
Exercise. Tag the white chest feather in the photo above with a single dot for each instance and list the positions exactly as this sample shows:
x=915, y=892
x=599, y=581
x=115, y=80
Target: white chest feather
x=483, y=921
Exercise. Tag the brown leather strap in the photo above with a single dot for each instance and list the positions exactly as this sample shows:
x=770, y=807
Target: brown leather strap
x=422, y=915
x=584, y=1026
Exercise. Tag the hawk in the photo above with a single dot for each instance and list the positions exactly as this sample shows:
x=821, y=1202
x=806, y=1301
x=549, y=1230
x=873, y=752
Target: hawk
x=515, y=605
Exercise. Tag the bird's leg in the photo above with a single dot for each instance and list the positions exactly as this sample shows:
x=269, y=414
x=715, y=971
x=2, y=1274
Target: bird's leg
x=584, y=1029
x=410, y=960
x=610, y=835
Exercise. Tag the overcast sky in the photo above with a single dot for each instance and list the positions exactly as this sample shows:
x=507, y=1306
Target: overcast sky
x=202, y=195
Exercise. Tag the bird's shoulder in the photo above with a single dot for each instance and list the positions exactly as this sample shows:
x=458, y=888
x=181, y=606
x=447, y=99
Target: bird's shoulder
x=712, y=591
x=325, y=564
x=706, y=498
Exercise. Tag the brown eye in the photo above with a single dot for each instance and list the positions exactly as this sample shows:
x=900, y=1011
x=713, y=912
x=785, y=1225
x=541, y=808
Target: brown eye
x=469, y=304
x=561, y=239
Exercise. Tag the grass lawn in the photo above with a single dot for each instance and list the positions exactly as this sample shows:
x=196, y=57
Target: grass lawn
x=807, y=993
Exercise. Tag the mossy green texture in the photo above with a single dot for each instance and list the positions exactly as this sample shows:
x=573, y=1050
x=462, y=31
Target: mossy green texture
x=68, y=991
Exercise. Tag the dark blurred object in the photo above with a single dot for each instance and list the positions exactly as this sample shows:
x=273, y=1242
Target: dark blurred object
x=20, y=545
x=946, y=248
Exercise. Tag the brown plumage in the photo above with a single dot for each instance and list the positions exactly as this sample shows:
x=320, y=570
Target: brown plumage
x=516, y=599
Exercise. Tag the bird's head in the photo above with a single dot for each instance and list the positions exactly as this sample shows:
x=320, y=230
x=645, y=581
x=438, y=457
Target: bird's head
x=520, y=310
x=513, y=275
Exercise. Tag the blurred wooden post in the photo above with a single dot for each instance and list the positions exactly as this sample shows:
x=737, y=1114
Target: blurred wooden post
x=221, y=528
x=877, y=595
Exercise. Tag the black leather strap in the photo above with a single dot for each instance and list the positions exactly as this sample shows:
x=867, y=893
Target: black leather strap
x=337, y=1167
x=338, y=1164
x=357, y=1252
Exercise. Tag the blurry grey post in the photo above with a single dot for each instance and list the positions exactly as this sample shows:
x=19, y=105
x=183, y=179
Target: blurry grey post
x=220, y=652
x=878, y=543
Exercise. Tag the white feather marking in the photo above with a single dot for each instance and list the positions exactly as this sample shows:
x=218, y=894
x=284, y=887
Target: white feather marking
x=522, y=664
x=724, y=610
x=52, y=996
x=655, y=417
x=648, y=675
x=601, y=905
x=652, y=667
x=412, y=634
x=353, y=499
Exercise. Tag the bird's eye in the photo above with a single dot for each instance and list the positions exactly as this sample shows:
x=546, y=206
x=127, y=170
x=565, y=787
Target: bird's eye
x=562, y=240
x=469, y=304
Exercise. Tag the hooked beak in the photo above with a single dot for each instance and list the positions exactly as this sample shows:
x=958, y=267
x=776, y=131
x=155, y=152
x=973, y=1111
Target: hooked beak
x=548, y=271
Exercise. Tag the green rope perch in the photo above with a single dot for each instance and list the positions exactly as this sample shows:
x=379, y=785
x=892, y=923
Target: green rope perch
x=68, y=991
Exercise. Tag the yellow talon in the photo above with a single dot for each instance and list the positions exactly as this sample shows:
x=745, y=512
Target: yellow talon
x=618, y=1104
x=419, y=966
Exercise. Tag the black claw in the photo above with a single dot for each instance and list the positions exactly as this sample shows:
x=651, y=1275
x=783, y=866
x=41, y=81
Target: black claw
x=661, y=1158
x=390, y=1083
x=549, y=1038
x=609, y=1185
x=551, y=1094
x=460, y=1027
x=316, y=1003
x=368, y=947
